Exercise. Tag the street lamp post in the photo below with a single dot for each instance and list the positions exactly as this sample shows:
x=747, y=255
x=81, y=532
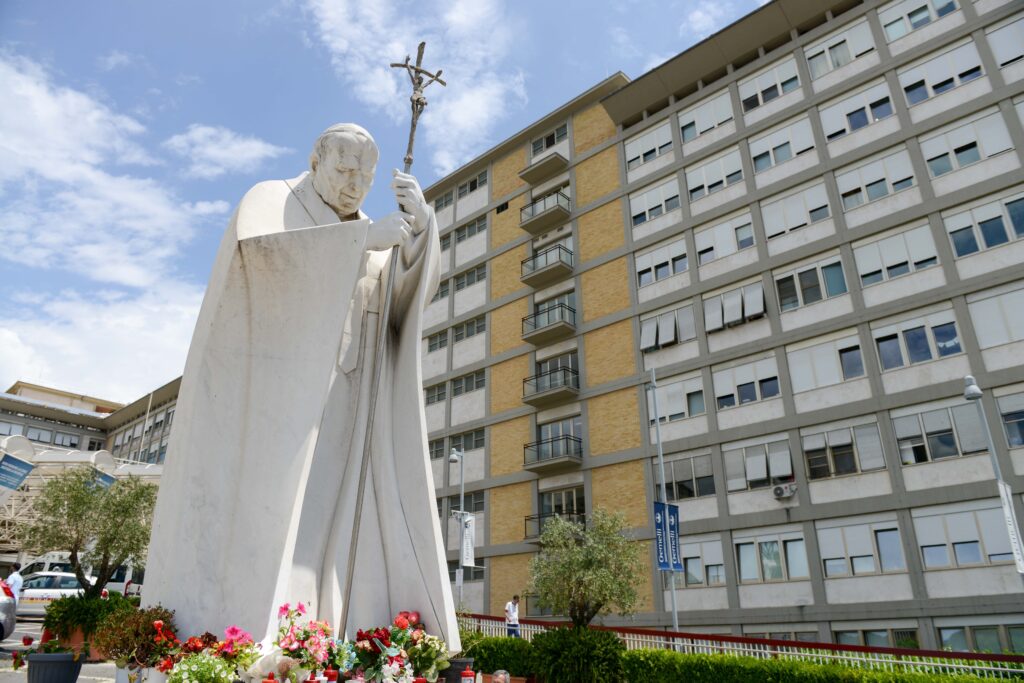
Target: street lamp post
x=457, y=456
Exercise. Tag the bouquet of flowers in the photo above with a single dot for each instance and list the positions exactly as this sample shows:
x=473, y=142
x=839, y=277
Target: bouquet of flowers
x=308, y=643
x=202, y=667
x=398, y=652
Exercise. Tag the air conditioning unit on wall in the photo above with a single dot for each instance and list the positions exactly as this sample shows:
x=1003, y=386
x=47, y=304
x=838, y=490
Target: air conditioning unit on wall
x=782, y=491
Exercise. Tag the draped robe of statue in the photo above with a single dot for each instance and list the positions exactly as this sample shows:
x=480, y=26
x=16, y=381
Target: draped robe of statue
x=257, y=501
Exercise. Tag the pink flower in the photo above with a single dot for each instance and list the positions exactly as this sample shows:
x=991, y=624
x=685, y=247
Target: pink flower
x=300, y=608
x=283, y=610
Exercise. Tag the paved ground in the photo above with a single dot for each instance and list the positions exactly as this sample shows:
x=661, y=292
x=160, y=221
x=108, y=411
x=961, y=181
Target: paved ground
x=91, y=673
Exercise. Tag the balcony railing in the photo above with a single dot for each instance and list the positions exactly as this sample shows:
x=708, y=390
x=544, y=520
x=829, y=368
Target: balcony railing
x=535, y=524
x=545, y=213
x=549, y=323
x=551, y=386
x=549, y=265
x=557, y=448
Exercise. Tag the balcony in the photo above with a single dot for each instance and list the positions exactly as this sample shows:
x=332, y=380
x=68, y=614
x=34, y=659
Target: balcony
x=545, y=213
x=547, y=267
x=553, y=455
x=535, y=523
x=549, y=388
x=544, y=168
x=549, y=324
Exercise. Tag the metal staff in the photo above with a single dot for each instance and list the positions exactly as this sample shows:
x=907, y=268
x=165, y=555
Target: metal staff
x=418, y=76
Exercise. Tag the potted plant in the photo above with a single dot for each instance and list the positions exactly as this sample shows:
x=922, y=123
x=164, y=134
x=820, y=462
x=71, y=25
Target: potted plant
x=139, y=641
x=50, y=663
x=73, y=619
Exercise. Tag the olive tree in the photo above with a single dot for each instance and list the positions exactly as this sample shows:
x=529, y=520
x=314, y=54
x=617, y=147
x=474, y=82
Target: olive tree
x=102, y=527
x=587, y=569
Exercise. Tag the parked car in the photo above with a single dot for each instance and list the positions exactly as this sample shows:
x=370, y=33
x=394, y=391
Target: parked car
x=7, y=609
x=42, y=588
x=126, y=579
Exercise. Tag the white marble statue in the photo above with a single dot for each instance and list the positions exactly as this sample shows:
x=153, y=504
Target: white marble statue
x=257, y=501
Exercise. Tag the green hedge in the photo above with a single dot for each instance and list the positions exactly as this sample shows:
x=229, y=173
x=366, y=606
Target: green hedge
x=577, y=655
x=657, y=666
x=514, y=655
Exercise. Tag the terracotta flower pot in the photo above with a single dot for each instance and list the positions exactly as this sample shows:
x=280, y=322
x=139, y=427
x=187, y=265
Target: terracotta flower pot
x=75, y=642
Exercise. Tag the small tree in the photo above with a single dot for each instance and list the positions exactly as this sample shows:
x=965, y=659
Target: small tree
x=100, y=527
x=586, y=570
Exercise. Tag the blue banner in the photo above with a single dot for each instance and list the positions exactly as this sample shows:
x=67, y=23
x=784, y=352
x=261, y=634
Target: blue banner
x=13, y=472
x=673, y=537
x=661, y=537
x=103, y=479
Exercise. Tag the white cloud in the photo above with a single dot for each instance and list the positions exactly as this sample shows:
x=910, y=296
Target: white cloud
x=114, y=59
x=213, y=151
x=708, y=17
x=467, y=39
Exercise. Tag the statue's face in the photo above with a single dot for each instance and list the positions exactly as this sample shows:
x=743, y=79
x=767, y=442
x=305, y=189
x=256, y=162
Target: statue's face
x=344, y=174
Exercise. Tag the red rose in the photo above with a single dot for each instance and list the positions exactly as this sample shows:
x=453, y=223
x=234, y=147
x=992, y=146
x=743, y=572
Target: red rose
x=414, y=618
x=401, y=622
x=27, y=640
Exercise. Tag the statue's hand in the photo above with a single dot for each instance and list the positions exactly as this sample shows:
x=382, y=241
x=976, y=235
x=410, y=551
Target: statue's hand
x=410, y=197
x=391, y=231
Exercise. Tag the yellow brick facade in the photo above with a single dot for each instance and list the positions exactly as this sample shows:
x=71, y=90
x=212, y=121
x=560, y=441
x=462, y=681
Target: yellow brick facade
x=605, y=289
x=597, y=176
x=590, y=127
x=620, y=488
x=614, y=421
x=507, y=326
x=506, y=442
x=601, y=230
x=505, y=225
x=645, y=589
x=507, y=383
x=505, y=173
x=608, y=353
x=509, y=507
x=510, y=575
x=505, y=270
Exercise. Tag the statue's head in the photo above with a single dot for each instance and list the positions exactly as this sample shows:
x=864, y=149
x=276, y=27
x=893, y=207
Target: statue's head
x=343, y=162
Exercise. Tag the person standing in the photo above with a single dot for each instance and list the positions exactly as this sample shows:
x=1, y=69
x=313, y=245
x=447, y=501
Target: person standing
x=512, y=617
x=15, y=581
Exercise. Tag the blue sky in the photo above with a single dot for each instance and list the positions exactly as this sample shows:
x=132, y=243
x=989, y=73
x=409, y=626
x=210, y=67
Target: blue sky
x=130, y=130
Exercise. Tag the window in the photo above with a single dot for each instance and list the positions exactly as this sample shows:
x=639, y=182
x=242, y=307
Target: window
x=917, y=340
x=899, y=19
x=1007, y=42
x=714, y=175
x=471, y=277
x=43, y=435
x=470, y=573
x=875, y=179
x=550, y=139
x=555, y=309
x=781, y=145
x=444, y=200
x=648, y=146
x=470, y=328
x=899, y=254
x=939, y=433
x=794, y=210
x=854, y=112
x=468, y=383
x=705, y=116
x=962, y=534
x=751, y=382
x=826, y=363
x=661, y=263
x=468, y=441
x=649, y=204
x=677, y=399
x=811, y=284
x=757, y=466
x=940, y=73
x=769, y=84
x=436, y=342
x=724, y=239
x=772, y=558
x=1011, y=408
x=446, y=242
x=66, y=440
x=733, y=307
x=686, y=478
x=474, y=502
x=442, y=291
x=436, y=393
x=847, y=450
x=436, y=449
x=473, y=184
x=839, y=49
x=476, y=226
x=990, y=225
x=667, y=328
x=964, y=144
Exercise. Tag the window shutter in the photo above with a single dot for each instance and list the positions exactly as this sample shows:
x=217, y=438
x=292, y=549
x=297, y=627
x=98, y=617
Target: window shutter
x=859, y=39
x=675, y=400
x=920, y=244
x=1011, y=404
x=731, y=162
x=648, y=334
x=723, y=107
x=969, y=429
x=712, y=552
x=732, y=303
x=858, y=540
x=833, y=118
x=801, y=371
x=987, y=316
x=894, y=250
x=868, y=259
x=826, y=365
x=906, y=427
x=993, y=137
x=814, y=442
x=736, y=479
x=753, y=301
x=713, y=314
x=687, y=329
x=774, y=219
x=869, y=447
x=830, y=543
x=815, y=196
x=677, y=248
x=757, y=463
x=723, y=381
x=666, y=329
x=786, y=70
x=1007, y=42
x=846, y=181
x=760, y=145
x=993, y=532
x=702, y=466
x=704, y=239
x=839, y=437
x=930, y=530
x=962, y=527
x=779, y=462
x=801, y=136
x=764, y=368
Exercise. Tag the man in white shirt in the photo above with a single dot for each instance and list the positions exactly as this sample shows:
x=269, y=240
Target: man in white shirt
x=15, y=581
x=512, y=617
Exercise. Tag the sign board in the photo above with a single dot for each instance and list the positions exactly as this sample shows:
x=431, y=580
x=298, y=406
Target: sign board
x=468, y=558
x=673, y=537
x=103, y=479
x=1011, y=525
x=661, y=541
x=13, y=472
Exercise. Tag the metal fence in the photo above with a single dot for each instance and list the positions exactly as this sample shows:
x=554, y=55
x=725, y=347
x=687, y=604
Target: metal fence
x=878, y=658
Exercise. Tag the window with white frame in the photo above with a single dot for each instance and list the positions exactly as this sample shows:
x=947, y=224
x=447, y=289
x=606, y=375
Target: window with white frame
x=859, y=549
x=757, y=466
x=771, y=557
x=714, y=175
x=475, y=226
x=550, y=139
x=754, y=381
x=470, y=328
x=1011, y=410
x=990, y=225
x=442, y=291
x=940, y=73
x=964, y=144
x=648, y=146
x=468, y=441
x=686, y=477
x=826, y=364
x=856, y=111
x=8, y=428
x=900, y=18
x=661, y=263
x=965, y=538
x=649, y=204
x=1007, y=42
x=677, y=399
x=66, y=440
x=896, y=255
x=436, y=449
x=705, y=116
x=875, y=179
x=438, y=341
x=444, y=200
x=703, y=565
x=769, y=84
x=471, y=277
x=42, y=435
x=926, y=435
x=724, y=239
x=997, y=316
x=446, y=242
x=436, y=393
x=474, y=502
x=658, y=330
x=841, y=451
x=917, y=340
x=878, y=637
x=839, y=49
x=467, y=383
x=473, y=184
x=733, y=307
x=795, y=210
x=811, y=283
x=983, y=638
x=781, y=145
